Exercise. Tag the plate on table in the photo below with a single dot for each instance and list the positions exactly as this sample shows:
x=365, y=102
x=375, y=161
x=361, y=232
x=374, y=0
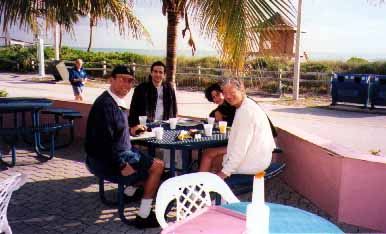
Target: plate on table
x=186, y=122
x=141, y=136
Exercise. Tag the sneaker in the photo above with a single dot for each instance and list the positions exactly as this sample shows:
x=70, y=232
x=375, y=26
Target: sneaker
x=149, y=222
x=136, y=197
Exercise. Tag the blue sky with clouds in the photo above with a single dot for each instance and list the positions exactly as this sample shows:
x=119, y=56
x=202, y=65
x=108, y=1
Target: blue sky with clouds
x=332, y=26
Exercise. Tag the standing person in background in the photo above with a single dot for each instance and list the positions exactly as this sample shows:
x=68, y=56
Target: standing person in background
x=78, y=78
x=155, y=99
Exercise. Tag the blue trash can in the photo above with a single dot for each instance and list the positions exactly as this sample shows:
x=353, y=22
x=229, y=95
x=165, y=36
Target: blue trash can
x=350, y=88
x=378, y=91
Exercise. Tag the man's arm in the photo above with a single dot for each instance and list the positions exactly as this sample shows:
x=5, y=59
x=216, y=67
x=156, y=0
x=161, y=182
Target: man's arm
x=73, y=79
x=135, y=108
x=240, y=139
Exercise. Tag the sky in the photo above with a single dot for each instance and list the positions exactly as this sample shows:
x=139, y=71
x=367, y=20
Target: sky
x=354, y=27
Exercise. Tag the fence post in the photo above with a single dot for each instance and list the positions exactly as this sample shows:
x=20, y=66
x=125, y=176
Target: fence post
x=133, y=66
x=329, y=83
x=199, y=74
x=279, y=87
x=104, y=68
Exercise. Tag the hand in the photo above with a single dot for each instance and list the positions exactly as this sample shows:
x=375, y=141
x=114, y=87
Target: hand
x=133, y=130
x=128, y=170
x=221, y=175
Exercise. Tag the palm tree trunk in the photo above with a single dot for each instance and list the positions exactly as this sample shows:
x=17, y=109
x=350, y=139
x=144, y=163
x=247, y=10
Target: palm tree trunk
x=91, y=31
x=60, y=36
x=171, y=46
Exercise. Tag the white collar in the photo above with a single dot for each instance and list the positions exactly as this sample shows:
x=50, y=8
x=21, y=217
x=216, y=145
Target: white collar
x=120, y=101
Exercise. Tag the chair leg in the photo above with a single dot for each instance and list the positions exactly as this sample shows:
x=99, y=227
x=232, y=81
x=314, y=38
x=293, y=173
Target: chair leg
x=102, y=194
x=13, y=149
x=52, y=148
x=121, y=205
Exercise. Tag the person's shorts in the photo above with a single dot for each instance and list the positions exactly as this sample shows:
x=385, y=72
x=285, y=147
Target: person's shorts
x=78, y=90
x=139, y=161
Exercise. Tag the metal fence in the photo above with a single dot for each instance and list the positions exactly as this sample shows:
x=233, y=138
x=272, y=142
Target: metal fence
x=197, y=78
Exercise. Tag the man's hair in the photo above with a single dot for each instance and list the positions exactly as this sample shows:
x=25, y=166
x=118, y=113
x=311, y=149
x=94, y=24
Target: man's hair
x=210, y=89
x=158, y=63
x=120, y=69
x=238, y=83
x=78, y=60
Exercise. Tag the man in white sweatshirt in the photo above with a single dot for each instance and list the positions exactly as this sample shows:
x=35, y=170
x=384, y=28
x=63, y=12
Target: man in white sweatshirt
x=250, y=144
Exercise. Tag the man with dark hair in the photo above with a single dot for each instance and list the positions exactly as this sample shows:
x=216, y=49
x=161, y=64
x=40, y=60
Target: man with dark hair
x=78, y=77
x=224, y=111
x=108, y=147
x=155, y=99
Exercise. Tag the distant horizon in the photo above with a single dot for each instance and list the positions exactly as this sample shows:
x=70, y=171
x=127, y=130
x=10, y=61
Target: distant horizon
x=333, y=30
x=313, y=55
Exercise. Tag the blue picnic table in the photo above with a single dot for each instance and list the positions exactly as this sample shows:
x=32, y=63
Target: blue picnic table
x=25, y=105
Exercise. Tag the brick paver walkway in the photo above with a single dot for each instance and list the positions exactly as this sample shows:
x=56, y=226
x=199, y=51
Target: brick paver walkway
x=61, y=196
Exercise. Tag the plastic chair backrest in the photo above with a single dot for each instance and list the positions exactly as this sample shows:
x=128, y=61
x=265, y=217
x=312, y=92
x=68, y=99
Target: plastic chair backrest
x=192, y=193
x=7, y=187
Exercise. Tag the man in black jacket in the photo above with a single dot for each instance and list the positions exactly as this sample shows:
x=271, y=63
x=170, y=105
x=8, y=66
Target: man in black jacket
x=108, y=147
x=155, y=99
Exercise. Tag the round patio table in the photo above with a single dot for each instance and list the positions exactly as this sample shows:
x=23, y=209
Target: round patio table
x=170, y=141
x=287, y=219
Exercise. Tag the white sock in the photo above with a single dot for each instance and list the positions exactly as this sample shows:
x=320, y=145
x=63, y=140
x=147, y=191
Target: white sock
x=130, y=190
x=145, y=208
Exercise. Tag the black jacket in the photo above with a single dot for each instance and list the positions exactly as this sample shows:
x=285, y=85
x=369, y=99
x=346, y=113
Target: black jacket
x=144, y=102
x=107, y=136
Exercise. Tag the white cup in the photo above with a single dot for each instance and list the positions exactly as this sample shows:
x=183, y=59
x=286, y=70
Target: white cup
x=159, y=132
x=222, y=125
x=208, y=129
x=142, y=120
x=210, y=120
x=173, y=123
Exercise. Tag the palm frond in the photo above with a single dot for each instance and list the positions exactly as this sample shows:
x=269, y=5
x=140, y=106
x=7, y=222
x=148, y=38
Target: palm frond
x=231, y=24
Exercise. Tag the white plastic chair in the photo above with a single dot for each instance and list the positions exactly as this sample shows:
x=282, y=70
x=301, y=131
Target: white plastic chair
x=7, y=187
x=191, y=192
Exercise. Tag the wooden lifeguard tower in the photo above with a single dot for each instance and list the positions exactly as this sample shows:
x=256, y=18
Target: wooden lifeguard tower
x=276, y=38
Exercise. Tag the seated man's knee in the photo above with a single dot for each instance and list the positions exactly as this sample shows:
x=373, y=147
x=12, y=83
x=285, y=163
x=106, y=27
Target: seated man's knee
x=157, y=166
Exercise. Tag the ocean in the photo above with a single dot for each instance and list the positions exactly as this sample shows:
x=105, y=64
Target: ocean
x=313, y=56
x=161, y=53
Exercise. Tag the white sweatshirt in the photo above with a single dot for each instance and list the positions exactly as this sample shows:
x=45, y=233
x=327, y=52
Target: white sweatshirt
x=250, y=143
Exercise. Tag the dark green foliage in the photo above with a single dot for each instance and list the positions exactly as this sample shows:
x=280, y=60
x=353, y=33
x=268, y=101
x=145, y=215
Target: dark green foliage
x=3, y=93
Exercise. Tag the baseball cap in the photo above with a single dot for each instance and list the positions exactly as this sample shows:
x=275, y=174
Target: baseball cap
x=122, y=70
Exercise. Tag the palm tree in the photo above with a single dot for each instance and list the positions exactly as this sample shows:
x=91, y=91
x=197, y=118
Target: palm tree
x=67, y=13
x=229, y=24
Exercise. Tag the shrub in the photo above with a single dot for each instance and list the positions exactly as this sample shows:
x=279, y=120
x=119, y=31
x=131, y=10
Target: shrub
x=3, y=93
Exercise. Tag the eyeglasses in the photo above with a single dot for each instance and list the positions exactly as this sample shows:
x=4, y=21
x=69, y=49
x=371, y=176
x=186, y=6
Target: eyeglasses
x=127, y=79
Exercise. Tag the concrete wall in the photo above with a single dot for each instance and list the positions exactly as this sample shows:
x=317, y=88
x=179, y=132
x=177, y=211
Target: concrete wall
x=346, y=184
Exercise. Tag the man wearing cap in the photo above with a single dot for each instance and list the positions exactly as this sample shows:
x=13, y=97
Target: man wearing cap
x=155, y=99
x=108, y=147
